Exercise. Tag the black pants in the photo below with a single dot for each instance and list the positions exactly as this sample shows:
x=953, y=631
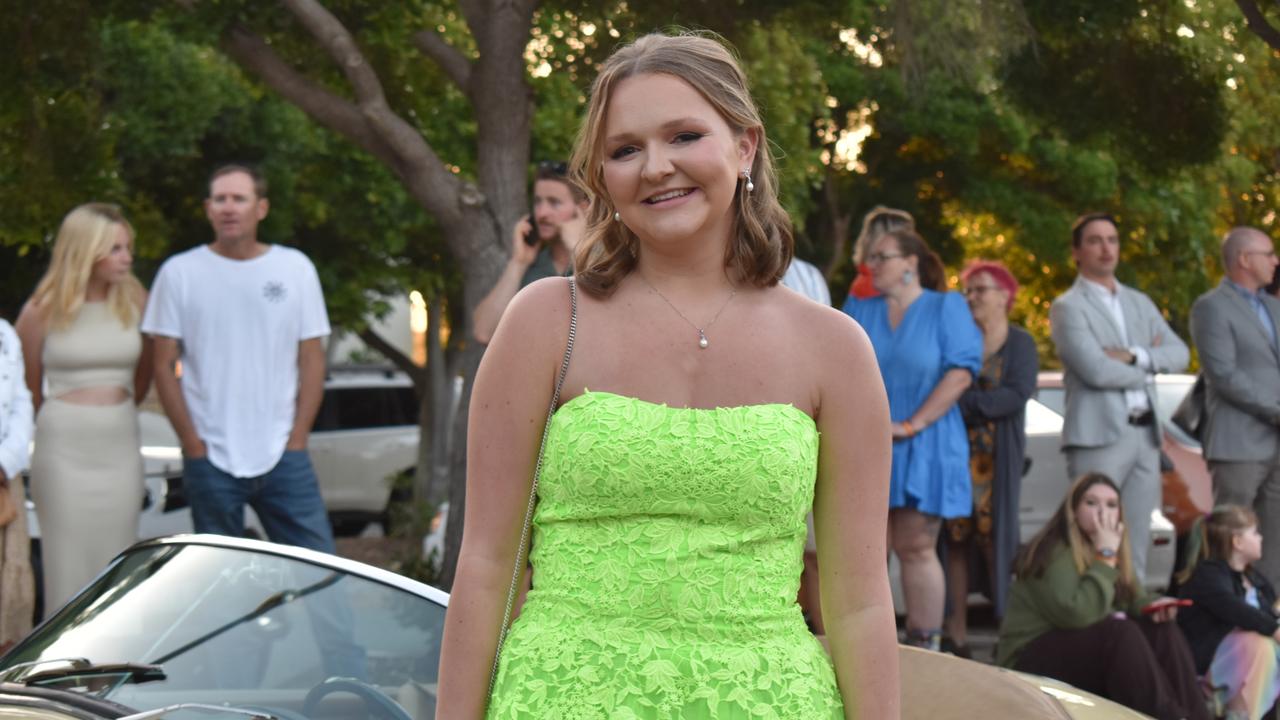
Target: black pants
x=1140, y=664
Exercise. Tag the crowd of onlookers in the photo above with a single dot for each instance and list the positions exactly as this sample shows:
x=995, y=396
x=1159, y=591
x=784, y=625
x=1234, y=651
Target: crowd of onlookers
x=246, y=320
x=1070, y=600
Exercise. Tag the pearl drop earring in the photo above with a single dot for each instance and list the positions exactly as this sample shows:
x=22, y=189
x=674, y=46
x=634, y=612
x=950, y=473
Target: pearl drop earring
x=617, y=216
x=750, y=185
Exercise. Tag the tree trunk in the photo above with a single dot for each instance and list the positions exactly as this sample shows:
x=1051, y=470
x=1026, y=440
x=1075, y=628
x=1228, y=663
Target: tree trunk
x=838, y=225
x=436, y=486
x=1258, y=23
x=469, y=360
x=474, y=218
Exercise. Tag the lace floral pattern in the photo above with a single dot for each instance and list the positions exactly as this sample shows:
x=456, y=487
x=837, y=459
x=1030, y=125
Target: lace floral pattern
x=666, y=551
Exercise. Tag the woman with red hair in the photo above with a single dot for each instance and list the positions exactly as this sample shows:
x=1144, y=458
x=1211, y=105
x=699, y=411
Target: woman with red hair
x=994, y=410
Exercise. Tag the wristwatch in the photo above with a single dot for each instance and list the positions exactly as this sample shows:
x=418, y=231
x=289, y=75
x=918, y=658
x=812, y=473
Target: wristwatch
x=1106, y=553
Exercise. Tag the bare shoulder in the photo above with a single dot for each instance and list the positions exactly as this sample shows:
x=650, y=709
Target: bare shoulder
x=32, y=319
x=537, y=319
x=822, y=330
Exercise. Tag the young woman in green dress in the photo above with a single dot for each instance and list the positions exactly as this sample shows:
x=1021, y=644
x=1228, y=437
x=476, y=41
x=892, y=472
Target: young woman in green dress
x=685, y=452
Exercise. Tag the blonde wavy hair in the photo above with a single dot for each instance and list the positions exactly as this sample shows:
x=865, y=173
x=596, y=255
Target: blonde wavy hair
x=762, y=246
x=1064, y=529
x=85, y=237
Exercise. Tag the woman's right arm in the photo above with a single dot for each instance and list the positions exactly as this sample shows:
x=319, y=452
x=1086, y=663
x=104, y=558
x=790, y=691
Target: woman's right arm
x=31, y=328
x=1017, y=384
x=1068, y=599
x=508, y=408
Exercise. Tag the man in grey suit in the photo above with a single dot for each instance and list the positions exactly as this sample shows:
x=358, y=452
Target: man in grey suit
x=1111, y=339
x=1234, y=326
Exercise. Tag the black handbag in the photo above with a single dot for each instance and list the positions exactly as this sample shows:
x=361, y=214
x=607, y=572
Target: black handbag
x=1189, y=416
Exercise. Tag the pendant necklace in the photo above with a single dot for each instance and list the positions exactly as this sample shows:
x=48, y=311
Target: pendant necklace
x=702, y=335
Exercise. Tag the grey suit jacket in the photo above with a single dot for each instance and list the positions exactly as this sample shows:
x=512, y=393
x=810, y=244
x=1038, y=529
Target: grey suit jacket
x=1242, y=376
x=1096, y=412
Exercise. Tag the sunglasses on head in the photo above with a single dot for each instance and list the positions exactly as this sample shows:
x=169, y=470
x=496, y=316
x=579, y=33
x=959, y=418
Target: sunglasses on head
x=554, y=167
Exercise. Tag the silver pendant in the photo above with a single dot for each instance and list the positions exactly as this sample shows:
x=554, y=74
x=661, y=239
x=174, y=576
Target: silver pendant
x=702, y=340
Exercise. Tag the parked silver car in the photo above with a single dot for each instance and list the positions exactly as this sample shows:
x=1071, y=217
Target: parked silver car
x=206, y=626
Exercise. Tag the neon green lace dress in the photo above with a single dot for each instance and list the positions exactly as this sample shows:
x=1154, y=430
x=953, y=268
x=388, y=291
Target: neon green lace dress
x=667, y=551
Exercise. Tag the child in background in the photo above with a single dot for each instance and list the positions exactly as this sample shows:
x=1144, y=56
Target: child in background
x=1231, y=625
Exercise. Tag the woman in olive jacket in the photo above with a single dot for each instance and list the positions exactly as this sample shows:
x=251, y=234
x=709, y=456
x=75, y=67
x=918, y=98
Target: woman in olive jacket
x=1076, y=613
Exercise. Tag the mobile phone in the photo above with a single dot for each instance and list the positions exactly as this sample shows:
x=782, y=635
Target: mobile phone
x=1158, y=605
x=532, y=237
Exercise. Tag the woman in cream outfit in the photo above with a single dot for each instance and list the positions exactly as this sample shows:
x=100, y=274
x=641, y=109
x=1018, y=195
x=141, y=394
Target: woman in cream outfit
x=86, y=368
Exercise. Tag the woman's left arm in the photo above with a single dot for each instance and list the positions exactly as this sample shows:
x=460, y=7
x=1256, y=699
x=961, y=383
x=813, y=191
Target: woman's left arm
x=960, y=347
x=851, y=509
x=145, y=370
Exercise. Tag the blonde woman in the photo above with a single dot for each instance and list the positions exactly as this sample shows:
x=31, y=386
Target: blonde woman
x=86, y=368
x=684, y=453
x=1077, y=613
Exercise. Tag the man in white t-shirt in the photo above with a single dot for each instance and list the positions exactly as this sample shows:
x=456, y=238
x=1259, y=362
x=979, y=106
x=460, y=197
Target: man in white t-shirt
x=246, y=320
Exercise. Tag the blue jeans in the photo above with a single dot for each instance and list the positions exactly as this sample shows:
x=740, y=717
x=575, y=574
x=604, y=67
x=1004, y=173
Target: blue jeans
x=286, y=499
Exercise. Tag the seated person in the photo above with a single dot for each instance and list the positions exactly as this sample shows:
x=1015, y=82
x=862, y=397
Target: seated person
x=1075, y=612
x=1231, y=624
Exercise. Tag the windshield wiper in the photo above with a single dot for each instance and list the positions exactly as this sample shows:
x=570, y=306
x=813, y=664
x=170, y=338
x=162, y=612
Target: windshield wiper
x=82, y=667
x=271, y=602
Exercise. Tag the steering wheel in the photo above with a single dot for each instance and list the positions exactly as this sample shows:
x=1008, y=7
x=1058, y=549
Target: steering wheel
x=378, y=704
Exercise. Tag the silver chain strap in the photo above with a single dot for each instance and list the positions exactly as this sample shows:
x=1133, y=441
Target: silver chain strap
x=533, y=490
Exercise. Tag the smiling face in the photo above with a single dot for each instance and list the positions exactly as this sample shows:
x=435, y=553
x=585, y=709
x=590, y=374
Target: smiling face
x=671, y=162
x=234, y=208
x=1099, y=495
x=116, y=264
x=1098, y=252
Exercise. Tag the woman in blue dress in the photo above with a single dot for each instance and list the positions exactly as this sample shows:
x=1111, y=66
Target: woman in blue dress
x=929, y=350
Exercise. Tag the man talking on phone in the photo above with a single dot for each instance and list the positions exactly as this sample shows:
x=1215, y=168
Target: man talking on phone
x=540, y=247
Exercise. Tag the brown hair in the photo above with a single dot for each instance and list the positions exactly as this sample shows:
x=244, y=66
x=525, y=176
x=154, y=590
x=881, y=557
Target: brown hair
x=1063, y=529
x=259, y=181
x=933, y=276
x=1077, y=227
x=876, y=224
x=762, y=245
x=1212, y=536
x=85, y=237
x=559, y=172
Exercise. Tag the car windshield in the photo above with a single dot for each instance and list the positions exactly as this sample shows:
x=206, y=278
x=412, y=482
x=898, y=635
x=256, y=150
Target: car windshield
x=247, y=629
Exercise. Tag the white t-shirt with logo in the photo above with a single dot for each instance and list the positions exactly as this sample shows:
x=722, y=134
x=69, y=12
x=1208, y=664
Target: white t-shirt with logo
x=239, y=323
